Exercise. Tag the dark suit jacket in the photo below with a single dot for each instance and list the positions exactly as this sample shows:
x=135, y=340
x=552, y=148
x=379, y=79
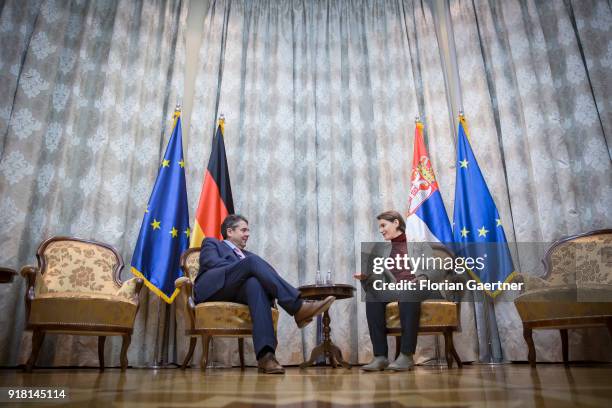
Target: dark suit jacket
x=216, y=258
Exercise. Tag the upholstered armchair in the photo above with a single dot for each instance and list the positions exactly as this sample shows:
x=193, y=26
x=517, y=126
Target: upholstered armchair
x=211, y=319
x=75, y=289
x=437, y=317
x=576, y=291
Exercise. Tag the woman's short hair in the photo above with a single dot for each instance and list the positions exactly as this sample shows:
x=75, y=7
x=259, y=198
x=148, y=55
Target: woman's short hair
x=391, y=216
x=231, y=222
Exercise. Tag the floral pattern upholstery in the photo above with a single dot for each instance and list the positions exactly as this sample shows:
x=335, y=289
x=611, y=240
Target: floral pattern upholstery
x=73, y=266
x=76, y=287
x=579, y=283
x=594, y=259
x=128, y=290
x=578, y=262
x=193, y=264
x=582, y=260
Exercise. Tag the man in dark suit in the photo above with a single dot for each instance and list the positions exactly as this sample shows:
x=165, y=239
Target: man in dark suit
x=230, y=273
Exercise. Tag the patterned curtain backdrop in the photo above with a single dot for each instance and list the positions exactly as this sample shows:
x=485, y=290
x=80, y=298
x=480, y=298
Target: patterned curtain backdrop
x=593, y=22
x=319, y=100
x=533, y=77
x=88, y=90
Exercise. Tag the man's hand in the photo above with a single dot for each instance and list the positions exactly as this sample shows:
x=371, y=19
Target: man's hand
x=360, y=276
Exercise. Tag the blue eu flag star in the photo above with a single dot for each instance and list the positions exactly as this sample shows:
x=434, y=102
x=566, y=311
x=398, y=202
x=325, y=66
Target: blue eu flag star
x=478, y=230
x=164, y=233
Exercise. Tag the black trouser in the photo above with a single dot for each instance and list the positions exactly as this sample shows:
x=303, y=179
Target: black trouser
x=409, y=313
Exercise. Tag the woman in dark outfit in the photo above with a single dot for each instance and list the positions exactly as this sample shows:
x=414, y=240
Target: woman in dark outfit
x=392, y=227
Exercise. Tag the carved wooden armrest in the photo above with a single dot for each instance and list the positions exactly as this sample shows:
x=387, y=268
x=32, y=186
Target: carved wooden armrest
x=29, y=273
x=183, y=283
x=139, y=285
x=185, y=286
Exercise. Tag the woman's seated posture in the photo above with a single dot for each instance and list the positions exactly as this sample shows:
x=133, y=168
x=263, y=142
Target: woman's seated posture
x=392, y=228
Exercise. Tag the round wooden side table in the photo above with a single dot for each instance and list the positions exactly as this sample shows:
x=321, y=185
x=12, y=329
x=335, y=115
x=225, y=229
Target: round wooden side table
x=327, y=348
x=7, y=274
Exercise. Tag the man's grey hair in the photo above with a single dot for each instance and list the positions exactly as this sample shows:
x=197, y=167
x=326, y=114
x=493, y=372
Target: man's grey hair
x=231, y=222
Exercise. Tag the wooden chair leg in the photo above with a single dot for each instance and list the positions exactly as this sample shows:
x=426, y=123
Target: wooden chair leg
x=398, y=343
x=454, y=351
x=37, y=339
x=564, y=345
x=101, y=341
x=528, y=335
x=192, y=345
x=448, y=339
x=241, y=352
x=127, y=339
x=205, y=347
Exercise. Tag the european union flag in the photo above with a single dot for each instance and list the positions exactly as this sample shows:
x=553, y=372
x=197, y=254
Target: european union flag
x=164, y=233
x=478, y=231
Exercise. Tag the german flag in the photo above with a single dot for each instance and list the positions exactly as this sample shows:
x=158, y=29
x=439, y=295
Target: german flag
x=216, y=197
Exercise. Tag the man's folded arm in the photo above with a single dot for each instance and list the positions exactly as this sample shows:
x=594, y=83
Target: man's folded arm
x=209, y=256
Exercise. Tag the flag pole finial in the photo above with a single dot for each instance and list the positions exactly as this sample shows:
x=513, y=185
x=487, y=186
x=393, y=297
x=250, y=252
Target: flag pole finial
x=417, y=118
x=221, y=122
x=177, y=111
x=463, y=122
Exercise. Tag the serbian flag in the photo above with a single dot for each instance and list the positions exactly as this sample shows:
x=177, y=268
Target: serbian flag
x=426, y=220
x=216, y=197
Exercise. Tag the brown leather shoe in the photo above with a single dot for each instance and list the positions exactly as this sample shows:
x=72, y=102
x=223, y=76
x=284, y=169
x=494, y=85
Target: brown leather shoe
x=268, y=365
x=310, y=309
